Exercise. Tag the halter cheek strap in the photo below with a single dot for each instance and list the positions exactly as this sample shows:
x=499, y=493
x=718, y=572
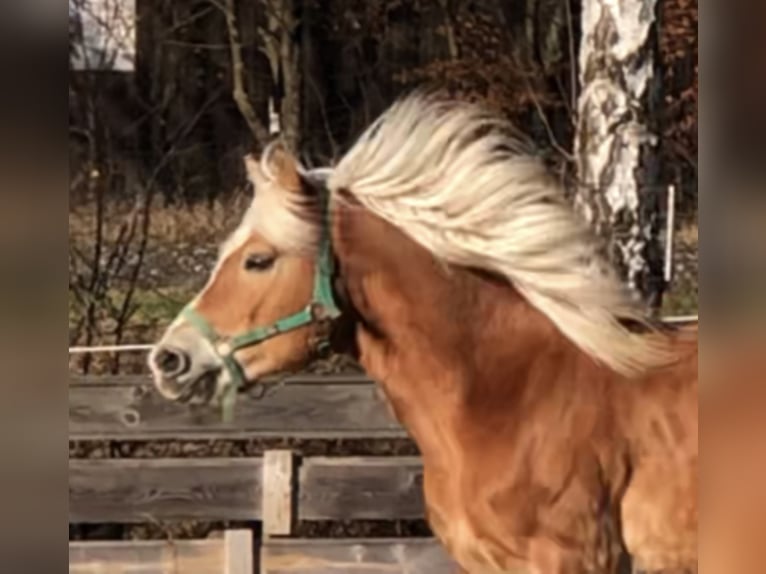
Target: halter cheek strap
x=322, y=307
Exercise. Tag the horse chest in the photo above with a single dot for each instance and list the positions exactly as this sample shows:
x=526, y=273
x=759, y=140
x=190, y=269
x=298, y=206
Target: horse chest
x=456, y=525
x=464, y=544
x=511, y=538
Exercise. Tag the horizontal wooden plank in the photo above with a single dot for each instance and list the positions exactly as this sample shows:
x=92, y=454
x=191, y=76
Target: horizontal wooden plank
x=287, y=556
x=147, y=557
x=348, y=407
x=301, y=378
x=361, y=488
x=336, y=556
x=142, y=490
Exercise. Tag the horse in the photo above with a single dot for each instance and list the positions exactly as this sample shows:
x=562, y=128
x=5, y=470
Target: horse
x=556, y=420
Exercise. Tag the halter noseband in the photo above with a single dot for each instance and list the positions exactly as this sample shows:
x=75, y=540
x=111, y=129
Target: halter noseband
x=321, y=308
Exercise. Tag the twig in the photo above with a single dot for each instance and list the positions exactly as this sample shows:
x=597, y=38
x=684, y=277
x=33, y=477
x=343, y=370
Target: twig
x=449, y=24
x=572, y=62
x=127, y=308
x=93, y=188
x=543, y=118
x=683, y=153
x=259, y=131
x=187, y=22
x=325, y=119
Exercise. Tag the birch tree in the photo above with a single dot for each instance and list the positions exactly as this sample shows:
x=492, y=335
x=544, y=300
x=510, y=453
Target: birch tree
x=615, y=144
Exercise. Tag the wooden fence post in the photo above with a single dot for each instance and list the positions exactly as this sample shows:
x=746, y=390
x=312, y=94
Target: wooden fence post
x=278, y=506
x=238, y=552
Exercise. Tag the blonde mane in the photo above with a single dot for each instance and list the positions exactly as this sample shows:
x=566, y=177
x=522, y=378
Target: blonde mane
x=455, y=179
x=287, y=219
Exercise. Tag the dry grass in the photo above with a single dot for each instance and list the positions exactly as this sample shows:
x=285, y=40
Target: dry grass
x=682, y=296
x=688, y=234
x=199, y=223
x=168, y=224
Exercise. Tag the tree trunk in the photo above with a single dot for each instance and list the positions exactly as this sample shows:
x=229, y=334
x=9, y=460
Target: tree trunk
x=616, y=142
x=282, y=44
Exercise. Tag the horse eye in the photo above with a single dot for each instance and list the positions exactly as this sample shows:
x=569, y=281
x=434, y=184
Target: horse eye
x=259, y=262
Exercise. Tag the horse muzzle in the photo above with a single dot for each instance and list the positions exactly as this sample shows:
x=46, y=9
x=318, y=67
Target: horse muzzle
x=185, y=368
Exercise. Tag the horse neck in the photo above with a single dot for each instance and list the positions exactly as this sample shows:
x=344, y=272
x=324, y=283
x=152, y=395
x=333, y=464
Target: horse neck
x=464, y=344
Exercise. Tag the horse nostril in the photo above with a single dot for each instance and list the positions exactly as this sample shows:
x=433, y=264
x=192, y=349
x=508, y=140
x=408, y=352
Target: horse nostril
x=172, y=362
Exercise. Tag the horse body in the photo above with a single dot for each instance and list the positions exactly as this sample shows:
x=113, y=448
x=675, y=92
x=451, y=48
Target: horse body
x=660, y=506
x=557, y=425
x=535, y=457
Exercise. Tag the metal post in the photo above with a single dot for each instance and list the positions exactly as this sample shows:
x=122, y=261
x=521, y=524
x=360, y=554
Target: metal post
x=670, y=222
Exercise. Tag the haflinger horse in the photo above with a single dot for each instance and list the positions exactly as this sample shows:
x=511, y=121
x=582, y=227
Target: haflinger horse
x=557, y=422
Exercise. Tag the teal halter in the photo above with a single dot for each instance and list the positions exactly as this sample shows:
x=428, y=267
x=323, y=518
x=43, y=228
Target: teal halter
x=322, y=307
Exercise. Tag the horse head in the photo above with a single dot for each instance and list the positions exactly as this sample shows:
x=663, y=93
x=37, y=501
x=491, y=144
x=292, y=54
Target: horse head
x=267, y=303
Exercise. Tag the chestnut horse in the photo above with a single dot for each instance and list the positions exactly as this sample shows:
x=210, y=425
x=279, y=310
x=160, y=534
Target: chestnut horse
x=557, y=423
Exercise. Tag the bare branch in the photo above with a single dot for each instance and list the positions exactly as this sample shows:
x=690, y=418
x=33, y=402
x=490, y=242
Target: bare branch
x=449, y=9
x=241, y=98
x=280, y=17
x=569, y=157
x=572, y=63
x=188, y=21
x=323, y=111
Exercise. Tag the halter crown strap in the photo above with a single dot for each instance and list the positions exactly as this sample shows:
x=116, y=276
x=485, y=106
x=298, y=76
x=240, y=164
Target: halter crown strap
x=321, y=307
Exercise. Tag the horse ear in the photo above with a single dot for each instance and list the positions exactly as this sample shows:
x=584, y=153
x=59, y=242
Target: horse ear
x=279, y=165
x=254, y=172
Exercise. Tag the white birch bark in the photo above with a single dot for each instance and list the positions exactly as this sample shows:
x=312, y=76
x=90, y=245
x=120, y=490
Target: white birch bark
x=615, y=146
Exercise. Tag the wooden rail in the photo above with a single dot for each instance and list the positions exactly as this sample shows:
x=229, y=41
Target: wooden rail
x=305, y=407
x=342, y=488
x=142, y=490
x=230, y=554
x=278, y=490
x=235, y=553
x=381, y=556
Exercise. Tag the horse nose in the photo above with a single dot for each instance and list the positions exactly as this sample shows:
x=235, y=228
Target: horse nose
x=171, y=362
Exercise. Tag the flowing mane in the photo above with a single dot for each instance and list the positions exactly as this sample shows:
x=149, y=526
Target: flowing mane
x=456, y=180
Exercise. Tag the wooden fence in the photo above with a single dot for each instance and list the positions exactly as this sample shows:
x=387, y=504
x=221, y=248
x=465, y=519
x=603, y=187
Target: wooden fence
x=278, y=489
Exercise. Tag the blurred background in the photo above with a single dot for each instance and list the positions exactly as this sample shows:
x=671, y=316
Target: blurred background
x=165, y=98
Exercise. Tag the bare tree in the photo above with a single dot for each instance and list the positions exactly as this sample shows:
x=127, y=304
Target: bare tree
x=284, y=51
x=239, y=93
x=279, y=42
x=615, y=144
x=103, y=277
